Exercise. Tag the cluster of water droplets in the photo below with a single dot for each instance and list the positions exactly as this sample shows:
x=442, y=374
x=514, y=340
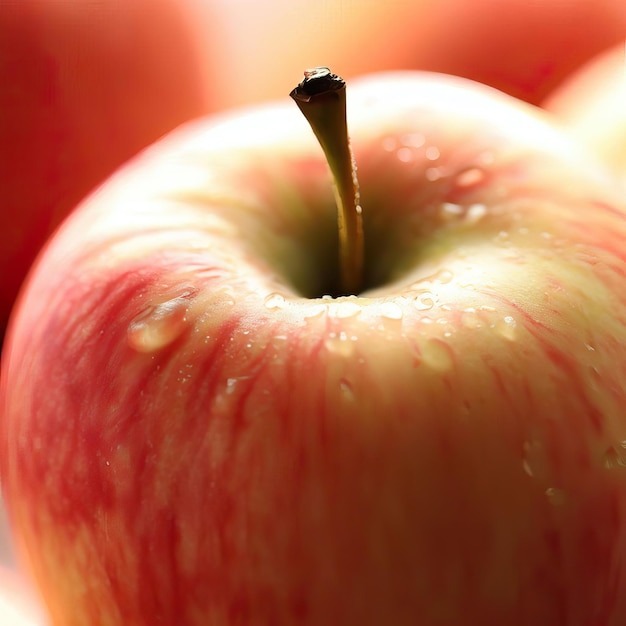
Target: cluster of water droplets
x=413, y=149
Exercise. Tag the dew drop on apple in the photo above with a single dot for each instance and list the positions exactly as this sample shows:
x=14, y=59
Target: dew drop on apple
x=159, y=325
x=555, y=496
x=534, y=459
x=451, y=210
x=346, y=390
x=475, y=213
x=437, y=355
x=502, y=239
x=433, y=174
x=470, y=177
x=391, y=311
x=344, y=309
x=405, y=155
x=615, y=456
x=425, y=301
x=390, y=144
x=340, y=343
x=443, y=277
x=527, y=467
x=432, y=153
x=275, y=301
x=507, y=327
x=471, y=319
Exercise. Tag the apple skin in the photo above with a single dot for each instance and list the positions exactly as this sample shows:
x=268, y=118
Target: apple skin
x=186, y=438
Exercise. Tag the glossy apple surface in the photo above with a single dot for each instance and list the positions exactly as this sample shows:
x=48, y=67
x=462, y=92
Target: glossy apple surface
x=192, y=434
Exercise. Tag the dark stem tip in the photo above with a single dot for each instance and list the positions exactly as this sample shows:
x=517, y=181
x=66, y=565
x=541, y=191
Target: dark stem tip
x=317, y=81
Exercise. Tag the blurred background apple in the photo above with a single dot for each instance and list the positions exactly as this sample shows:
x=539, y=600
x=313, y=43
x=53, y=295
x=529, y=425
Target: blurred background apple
x=592, y=102
x=83, y=86
x=523, y=47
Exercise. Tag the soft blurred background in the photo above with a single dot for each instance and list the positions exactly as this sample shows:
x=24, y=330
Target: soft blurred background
x=85, y=85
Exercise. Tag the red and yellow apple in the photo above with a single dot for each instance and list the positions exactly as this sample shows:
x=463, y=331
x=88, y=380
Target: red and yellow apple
x=195, y=432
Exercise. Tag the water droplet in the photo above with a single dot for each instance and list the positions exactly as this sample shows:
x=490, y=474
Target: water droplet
x=432, y=153
x=405, y=155
x=389, y=144
x=231, y=385
x=590, y=347
x=312, y=311
x=534, y=461
x=339, y=343
x=437, y=355
x=433, y=174
x=425, y=301
x=502, y=238
x=346, y=390
x=507, y=328
x=443, y=277
x=450, y=210
x=527, y=467
x=344, y=309
x=615, y=456
x=555, y=496
x=159, y=324
x=471, y=319
x=274, y=301
x=470, y=177
x=391, y=310
x=475, y=213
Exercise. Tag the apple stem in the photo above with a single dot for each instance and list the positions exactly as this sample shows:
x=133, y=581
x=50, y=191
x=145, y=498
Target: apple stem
x=321, y=97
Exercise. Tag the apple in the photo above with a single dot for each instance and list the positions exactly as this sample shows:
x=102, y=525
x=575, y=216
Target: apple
x=592, y=104
x=523, y=48
x=82, y=81
x=195, y=431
